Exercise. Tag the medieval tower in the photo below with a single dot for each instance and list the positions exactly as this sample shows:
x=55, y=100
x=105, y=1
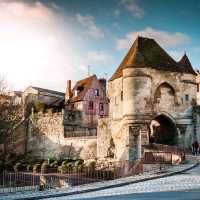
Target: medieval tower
x=150, y=96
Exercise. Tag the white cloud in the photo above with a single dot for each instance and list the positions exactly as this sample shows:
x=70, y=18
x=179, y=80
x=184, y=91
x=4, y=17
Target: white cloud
x=36, y=46
x=133, y=7
x=165, y=38
x=89, y=23
x=98, y=56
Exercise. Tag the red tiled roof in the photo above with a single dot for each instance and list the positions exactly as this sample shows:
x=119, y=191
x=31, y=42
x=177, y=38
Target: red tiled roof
x=146, y=52
x=84, y=84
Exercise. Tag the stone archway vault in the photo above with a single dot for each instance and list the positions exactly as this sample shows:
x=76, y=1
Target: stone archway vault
x=163, y=130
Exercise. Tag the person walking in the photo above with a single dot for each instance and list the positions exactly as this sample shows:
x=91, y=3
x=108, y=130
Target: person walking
x=195, y=148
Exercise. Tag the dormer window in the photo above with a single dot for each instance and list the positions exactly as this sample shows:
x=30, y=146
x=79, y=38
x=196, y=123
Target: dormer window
x=97, y=92
x=78, y=90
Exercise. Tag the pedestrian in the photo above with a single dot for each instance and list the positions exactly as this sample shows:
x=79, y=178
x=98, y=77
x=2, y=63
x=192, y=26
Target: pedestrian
x=195, y=147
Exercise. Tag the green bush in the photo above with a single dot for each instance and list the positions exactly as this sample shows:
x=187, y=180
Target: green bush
x=44, y=167
x=65, y=167
x=69, y=165
x=59, y=169
x=79, y=162
x=36, y=168
x=64, y=162
x=29, y=167
x=54, y=164
x=51, y=160
x=18, y=167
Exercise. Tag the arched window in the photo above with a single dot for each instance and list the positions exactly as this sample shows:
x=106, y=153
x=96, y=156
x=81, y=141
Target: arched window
x=164, y=98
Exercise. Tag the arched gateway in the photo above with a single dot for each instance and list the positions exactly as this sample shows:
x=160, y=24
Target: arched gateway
x=163, y=130
x=147, y=94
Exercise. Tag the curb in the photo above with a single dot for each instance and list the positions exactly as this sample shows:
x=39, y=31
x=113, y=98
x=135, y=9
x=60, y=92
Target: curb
x=109, y=186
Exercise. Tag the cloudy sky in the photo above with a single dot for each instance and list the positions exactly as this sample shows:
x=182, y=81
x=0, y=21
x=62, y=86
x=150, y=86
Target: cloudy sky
x=46, y=42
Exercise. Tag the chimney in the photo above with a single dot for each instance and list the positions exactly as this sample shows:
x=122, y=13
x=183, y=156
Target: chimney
x=102, y=82
x=68, y=90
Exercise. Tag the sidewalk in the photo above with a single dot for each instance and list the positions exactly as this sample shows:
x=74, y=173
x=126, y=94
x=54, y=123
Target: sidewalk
x=191, y=163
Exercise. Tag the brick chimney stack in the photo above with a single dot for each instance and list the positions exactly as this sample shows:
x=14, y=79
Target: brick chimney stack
x=102, y=82
x=68, y=94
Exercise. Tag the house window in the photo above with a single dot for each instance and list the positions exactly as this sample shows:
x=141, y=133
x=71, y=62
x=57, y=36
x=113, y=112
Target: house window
x=91, y=105
x=197, y=87
x=101, y=107
x=96, y=92
x=187, y=97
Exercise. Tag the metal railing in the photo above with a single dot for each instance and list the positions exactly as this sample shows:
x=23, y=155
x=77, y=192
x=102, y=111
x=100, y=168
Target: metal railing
x=72, y=176
x=158, y=158
x=68, y=177
x=162, y=154
x=18, y=181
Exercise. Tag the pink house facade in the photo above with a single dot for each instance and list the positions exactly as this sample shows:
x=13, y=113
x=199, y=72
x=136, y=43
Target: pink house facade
x=85, y=104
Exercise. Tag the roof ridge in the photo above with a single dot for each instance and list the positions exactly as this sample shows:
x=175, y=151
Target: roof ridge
x=147, y=53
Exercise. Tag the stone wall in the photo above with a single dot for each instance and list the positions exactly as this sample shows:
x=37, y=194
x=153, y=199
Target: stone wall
x=46, y=139
x=103, y=138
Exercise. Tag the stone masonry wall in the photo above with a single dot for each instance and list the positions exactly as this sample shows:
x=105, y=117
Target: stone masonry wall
x=46, y=139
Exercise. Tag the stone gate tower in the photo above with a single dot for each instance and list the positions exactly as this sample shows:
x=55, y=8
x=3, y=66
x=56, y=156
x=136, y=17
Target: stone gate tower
x=147, y=93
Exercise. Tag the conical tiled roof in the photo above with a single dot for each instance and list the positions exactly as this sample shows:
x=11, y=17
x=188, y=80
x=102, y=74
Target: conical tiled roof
x=146, y=52
x=186, y=65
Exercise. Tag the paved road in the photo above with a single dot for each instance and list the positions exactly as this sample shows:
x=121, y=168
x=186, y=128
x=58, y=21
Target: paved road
x=185, y=186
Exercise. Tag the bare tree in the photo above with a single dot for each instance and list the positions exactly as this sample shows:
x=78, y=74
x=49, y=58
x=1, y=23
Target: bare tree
x=3, y=85
x=10, y=114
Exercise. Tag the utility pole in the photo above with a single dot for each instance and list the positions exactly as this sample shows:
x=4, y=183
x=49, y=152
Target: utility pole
x=88, y=68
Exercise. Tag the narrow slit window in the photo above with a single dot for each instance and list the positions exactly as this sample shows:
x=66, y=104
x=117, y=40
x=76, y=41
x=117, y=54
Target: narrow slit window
x=91, y=105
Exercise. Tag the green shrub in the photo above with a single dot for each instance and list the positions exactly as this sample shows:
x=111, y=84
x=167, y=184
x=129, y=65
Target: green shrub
x=59, y=169
x=29, y=167
x=69, y=165
x=36, y=168
x=64, y=169
x=18, y=167
x=54, y=164
x=51, y=160
x=79, y=162
x=44, y=167
x=64, y=162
